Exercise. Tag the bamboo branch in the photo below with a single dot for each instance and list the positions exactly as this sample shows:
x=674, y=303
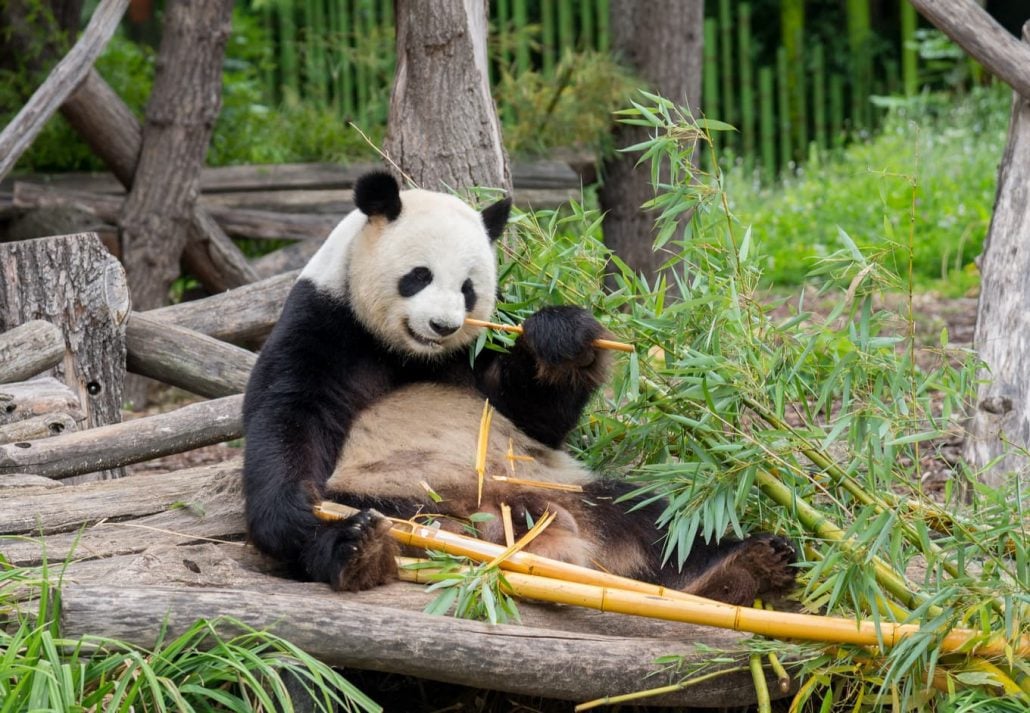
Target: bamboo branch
x=517, y=329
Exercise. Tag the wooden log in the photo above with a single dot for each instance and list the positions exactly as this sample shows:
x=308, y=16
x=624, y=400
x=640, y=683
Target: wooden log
x=237, y=222
x=62, y=81
x=28, y=349
x=986, y=41
x=570, y=171
x=25, y=480
x=999, y=427
x=182, y=357
x=342, y=632
x=30, y=429
x=95, y=449
x=100, y=116
x=243, y=315
x=36, y=398
x=289, y=259
x=72, y=282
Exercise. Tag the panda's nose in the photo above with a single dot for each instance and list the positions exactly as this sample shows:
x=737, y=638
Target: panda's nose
x=444, y=330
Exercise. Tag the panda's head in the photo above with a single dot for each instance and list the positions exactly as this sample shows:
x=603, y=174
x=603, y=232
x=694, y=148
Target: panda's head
x=414, y=264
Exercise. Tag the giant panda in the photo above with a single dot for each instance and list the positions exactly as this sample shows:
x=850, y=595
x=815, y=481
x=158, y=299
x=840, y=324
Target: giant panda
x=365, y=391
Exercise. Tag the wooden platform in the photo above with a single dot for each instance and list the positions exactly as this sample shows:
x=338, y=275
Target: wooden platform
x=146, y=550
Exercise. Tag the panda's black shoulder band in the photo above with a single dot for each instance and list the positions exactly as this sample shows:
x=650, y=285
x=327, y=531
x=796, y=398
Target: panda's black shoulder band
x=377, y=193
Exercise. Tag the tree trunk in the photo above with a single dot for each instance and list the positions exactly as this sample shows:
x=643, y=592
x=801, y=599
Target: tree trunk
x=662, y=41
x=181, y=113
x=443, y=130
x=1002, y=337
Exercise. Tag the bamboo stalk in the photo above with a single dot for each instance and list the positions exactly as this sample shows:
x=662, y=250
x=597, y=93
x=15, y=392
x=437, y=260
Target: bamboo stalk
x=548, y=48
x=763, y=701
x=909, y=52
x=542, y=579
x=604, y=34
x=836, y=110
x=586, y=25
x=783, y=107
x=747, y=85
x=516, y=329
x=710, y=76
x=766, y=126
x=520, y=19
x=729, y=96
x=819, y=95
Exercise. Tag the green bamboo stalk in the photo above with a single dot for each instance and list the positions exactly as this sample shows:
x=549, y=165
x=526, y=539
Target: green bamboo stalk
x=345, y=46
x=909, y=52
x=307, y=12
x=726, y=76
x=747, y=85
x=504, y=33
x=836, y=110
x=520, y=21
x=587, y=37
x=792, y=32
x=892, y=74
x=332, y=54
x=819, y=95
x=767, y=127
x=783, y=107
x=604, y=32
x=267, y=70
x=288, y=52
x=710, y=83
x=859, y=35
x=361, y=78
x=321, y=79
x=386, y=12
x=548, y=48
x=566, y=33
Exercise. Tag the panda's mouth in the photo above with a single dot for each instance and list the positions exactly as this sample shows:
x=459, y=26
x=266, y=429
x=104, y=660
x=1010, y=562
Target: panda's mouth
x=425, y=341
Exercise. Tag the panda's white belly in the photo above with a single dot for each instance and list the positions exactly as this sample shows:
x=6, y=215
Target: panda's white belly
x=430, y=433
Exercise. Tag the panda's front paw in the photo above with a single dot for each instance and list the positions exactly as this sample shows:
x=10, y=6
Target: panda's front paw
x=561, y=340
x=359, y=553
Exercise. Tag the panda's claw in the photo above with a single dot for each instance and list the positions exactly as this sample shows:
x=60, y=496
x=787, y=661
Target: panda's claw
x=561, y=340
x=364, y=555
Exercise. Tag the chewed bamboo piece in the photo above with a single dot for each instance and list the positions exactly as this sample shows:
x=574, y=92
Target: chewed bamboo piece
x=543, y=579
x=599, y=343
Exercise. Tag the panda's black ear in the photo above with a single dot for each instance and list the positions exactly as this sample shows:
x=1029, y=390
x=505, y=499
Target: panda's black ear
x=495, y=217
x=377, y=193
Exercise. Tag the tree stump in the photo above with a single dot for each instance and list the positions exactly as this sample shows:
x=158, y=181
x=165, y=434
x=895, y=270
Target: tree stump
x=71, y=281
x=1001, y=418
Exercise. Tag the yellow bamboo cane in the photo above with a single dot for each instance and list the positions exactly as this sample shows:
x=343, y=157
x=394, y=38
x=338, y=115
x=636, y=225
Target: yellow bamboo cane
x=580, y=586
x=517, y=329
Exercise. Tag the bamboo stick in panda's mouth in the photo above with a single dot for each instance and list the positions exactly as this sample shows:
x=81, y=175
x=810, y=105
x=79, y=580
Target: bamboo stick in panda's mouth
x=517, y=329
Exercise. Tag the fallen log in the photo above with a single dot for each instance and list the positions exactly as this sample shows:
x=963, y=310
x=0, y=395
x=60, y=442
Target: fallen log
x=185, y=358
x=243, y=315
x=28, y=349
x=291, y=258
x=26, y=480
x=543, y=658
x=95, y=449
x=61, y=82
x=32, y=399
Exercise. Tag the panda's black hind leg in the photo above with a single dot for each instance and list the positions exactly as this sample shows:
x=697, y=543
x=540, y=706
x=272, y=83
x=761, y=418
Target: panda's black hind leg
x=758, y=566
x=355, y=554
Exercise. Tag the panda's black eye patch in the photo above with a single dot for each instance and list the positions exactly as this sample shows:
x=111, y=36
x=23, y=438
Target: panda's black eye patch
x=414, y=282
x=469, y=291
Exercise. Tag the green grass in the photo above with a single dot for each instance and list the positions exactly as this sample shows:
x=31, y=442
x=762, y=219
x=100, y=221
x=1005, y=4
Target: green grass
x=947, y=150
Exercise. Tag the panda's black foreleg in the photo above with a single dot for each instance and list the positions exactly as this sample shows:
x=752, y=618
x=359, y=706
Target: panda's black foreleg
x=544, y=383
x=354, y=554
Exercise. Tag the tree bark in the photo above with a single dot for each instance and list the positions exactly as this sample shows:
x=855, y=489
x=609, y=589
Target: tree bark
x=181, y=114
x=443, y=130
x=1002, y=337
x=71, y=281
x=662, y=41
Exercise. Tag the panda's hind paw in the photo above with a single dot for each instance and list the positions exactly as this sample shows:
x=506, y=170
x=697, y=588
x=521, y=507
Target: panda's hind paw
x=760, y=565
x=365, y=554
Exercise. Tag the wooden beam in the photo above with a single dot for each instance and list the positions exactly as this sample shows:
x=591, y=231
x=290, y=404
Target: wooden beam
x=980, y=35
x=61, y=82
x=140, y=439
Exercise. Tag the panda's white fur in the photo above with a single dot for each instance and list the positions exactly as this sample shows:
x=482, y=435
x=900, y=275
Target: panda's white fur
x=365, y=393
x=364, y=258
